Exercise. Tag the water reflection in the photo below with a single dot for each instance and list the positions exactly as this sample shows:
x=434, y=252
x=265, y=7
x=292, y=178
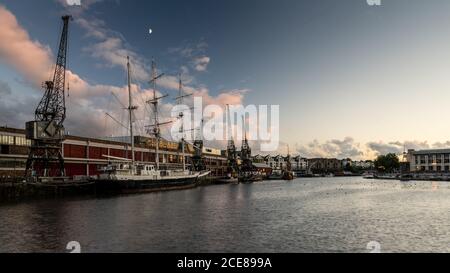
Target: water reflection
x=307, y=215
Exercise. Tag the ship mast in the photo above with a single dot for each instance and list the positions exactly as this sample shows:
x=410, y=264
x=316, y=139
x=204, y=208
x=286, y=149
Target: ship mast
x=180, y=100
x=288, y=165
x=131, y=108
x=155, y=101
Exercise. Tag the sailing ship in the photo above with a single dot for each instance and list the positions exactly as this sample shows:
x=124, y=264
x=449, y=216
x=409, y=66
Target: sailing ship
x=127, y=176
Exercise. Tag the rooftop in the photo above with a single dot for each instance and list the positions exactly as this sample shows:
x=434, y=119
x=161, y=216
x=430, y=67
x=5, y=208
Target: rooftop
x=432, y=151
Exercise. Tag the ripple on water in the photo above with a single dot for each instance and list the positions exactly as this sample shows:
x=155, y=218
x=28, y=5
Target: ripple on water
x=306, y=215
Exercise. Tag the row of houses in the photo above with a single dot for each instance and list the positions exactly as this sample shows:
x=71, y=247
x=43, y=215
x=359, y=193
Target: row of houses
x=422, y=161
x=313, y=165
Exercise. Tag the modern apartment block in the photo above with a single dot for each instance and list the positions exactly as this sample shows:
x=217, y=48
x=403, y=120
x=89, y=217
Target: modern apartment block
x=429, y=160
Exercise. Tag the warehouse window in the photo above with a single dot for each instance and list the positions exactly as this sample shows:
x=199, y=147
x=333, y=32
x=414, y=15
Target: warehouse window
x=4, y=149
x=21, y=141
x=7, y=140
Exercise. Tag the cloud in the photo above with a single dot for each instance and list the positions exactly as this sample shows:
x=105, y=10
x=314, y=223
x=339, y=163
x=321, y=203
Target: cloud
x=112, y=48
x=13, y=108
x=381, y=148
x=88, y=103
x=349, y=148
x=28, y=57
x=441, y=145
x=78, y=10
x=346, y=148
x=201, y=63
x=194, y=53
x=5, y=89
x=189, y=49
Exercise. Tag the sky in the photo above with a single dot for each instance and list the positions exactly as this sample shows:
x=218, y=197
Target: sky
x=352, y=80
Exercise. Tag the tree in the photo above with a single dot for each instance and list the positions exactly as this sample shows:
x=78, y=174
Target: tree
x=388, y=163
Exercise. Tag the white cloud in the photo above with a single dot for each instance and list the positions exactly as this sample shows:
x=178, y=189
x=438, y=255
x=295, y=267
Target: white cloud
x=112, y=48
x=88, y=102
x=194, y=53
x=201, y=63
x=346, y=148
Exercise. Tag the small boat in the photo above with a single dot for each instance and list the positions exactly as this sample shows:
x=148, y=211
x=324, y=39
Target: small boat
x=406, y=177
x=288, y=176
x=276, y=175
x=250, y=177
x=229, y=179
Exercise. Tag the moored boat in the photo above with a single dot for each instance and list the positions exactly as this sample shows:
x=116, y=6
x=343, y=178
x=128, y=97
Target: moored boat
x=126, y=176
x=121, y=178
x=250, y=177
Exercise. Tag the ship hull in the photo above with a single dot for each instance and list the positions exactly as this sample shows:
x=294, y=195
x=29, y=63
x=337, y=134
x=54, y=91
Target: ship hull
x=142, y=186
x=250, y=179
x=227, y=181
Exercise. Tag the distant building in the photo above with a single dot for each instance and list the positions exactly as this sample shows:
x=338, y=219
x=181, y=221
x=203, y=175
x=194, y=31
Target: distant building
x=429, y=160
x=323, y=165
x=259, y=159
x=364, y=164
x=279, y=162
x=263, y=168
x=276, y=162
x=299, y=164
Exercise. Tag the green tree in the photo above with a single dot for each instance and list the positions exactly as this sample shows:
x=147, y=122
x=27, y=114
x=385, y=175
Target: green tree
x=388, y=163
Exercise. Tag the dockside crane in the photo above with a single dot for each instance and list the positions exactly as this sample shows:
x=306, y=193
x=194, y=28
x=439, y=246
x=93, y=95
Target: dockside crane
x=199, y=160
x=46, y=132
x=246, y=152
x=233, y=167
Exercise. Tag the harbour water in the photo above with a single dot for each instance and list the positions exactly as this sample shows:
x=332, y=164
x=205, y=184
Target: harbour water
x=305, y=215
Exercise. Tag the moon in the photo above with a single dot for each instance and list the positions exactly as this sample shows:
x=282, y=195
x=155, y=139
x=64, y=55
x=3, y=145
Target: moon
x=150, y=31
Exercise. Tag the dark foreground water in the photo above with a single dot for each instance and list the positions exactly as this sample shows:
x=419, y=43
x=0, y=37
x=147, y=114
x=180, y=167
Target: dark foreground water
x=307, y=215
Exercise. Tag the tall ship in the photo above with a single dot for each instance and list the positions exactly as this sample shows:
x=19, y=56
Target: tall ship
x=124, y=175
